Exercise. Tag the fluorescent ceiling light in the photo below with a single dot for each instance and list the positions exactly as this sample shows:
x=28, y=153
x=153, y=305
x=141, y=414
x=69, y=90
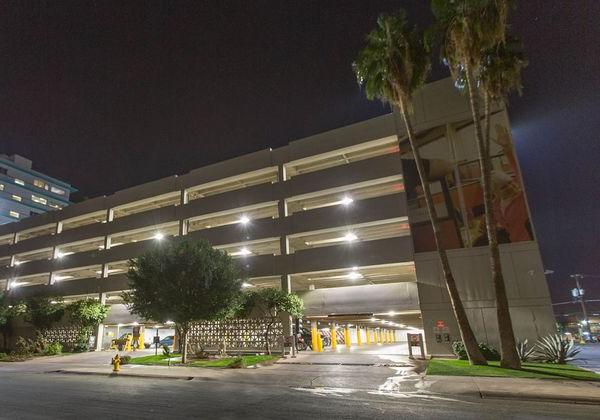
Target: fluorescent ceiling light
x=242, y=251
x=158, y=236
x=354, y=275
x=59, y=277
x=346, y=200
x=349, y=237
x=244, y=220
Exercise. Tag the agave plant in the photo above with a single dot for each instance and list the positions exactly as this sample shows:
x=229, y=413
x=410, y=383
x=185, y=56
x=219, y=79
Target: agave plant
x=553, y=349
x=525, y=352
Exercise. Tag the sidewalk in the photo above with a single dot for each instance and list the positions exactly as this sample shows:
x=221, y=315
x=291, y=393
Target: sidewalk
x=551, y=390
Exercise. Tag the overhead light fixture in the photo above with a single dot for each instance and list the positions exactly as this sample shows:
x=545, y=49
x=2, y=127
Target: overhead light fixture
x=373, y=319
x=349, y=237
x=58, y=277
x=391, y=313
x=18, y=262
x=242, y=252
x=246, y=285
x=244, y=220
x=135, y=323
x=346, y=200
x=169, y=322
x=355, y=275
x=159, y=236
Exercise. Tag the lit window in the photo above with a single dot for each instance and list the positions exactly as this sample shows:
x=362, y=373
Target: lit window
x=40, y=184
x=14, y=214
x=57, y=191
x=16, y=197
x=19, y=181
x=37, y=199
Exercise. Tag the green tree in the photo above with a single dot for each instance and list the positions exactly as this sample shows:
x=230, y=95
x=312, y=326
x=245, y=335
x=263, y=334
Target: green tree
x=393, y=65
x=9, y=311
x=43, y=311
x=87, y=314
x=470, y=33
x=183, y=282
x=271, y=302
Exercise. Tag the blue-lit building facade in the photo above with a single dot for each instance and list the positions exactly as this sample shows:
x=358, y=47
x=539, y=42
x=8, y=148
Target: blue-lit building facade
x=25, y=192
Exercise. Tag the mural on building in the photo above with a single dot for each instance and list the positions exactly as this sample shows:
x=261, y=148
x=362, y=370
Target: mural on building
x=453, y=169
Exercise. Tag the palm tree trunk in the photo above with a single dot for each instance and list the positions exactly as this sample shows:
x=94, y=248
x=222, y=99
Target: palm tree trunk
x=508, y=347
x=466, y=333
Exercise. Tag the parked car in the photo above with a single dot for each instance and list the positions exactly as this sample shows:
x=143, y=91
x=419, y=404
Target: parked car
x=167, y=341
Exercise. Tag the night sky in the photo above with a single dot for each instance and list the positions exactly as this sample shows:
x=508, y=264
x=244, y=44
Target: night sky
x=107, y=95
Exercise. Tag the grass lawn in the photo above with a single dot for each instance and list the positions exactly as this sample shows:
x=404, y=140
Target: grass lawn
x=452, y=367
x=162, y=360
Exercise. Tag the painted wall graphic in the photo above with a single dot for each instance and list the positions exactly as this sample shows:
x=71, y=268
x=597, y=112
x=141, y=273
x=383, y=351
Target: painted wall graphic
x=453, y=170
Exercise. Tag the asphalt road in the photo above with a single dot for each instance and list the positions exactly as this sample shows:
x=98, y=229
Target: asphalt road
x=61, y=396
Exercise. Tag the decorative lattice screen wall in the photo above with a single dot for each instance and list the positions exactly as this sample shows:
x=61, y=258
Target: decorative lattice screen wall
x=238, y=334
x=66, y=335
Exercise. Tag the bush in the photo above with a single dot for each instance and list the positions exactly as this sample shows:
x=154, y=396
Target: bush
x=490, y=353
x=237, y=363
x=24, y=347
x=166, y=351
x=82, y=344
x=552, y=349
x=458, y=348
x=525, y=352
x=3, y=355
x=53, y=349
x=125, y=360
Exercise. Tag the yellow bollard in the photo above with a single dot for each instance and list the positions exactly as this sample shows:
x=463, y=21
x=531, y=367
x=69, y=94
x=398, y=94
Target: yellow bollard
x=319, y=342
x=347, y=336
x=368, y=335
x=314, y=336
x=358, y=337
x=333, y=337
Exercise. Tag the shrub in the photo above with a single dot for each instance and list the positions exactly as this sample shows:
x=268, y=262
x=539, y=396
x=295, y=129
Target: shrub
x=125, y=360
x=3, y=355
x=82, y=343
x=552, y=349
x=458, y=348
x=53, y=349
x=525, y=352
x=490, y=353
x=237, y=363
x=166, y=351
x=24, y=347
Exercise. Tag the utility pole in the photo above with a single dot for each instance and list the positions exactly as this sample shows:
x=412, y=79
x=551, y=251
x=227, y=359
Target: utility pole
x=578, y=295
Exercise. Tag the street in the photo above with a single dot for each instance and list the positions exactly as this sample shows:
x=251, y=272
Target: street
x=55, y=395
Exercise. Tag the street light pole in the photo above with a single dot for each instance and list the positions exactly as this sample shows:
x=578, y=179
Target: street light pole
x=579, y=297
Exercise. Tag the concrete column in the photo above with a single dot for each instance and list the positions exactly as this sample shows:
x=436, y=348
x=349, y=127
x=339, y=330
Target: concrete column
x=183, y=224
x=358, y=337
x=100, y=328
x=368, y=335
x=286, y=319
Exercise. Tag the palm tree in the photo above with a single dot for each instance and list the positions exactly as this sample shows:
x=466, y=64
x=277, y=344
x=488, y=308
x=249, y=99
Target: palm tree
x=470, y=30
x=393, y=65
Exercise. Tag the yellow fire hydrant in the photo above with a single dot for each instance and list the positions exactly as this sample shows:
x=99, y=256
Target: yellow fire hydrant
x=116, y=362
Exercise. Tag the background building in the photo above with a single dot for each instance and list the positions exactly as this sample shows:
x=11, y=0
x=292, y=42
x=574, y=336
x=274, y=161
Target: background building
x=25, y=192
x=336, y=217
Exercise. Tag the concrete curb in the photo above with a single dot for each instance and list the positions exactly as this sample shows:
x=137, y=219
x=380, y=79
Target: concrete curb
x=130, y=375
x=539, y=398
